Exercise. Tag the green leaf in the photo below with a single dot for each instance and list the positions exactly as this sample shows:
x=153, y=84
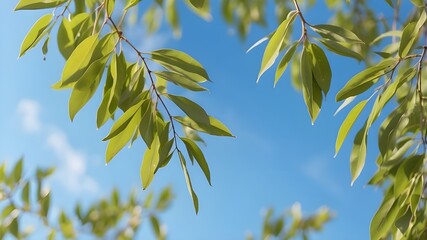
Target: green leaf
x=192, y=109
x=196, y=152
x=200, y=7
x=150, y=162
x=78, y=61
x=17, y=171
x=395, y=33
x=405, y=173
x=384, y=217
x=164, y=199
x=215, y=127
x=172, y=17
x=321, y=69
x=131, y=3
x=188, y=181
x=410, y=34
x=180, y=80
x=123, y=134
x=281, y=68
x=364, y=79
x=26, y=194
x=155, y=225
x=358, y=154
x=336, y=33
x=419, y=3
x=273, y=47
x=66, y=226
x=147, y=127
x=181, y=63
x=86, y=86
x=347, y=124
x=110, y=7
x=38, y=4
x=45, y=204
x=340, y=48
x=36, y=33
x=123, y=121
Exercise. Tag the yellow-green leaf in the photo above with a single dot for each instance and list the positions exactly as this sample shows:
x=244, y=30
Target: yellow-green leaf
x=196, y=152
x=192, y=109
x=150, y=162
x=188, y=181
x=348, y=123
x=273, y=47
x=38, y=4
x=36, y=33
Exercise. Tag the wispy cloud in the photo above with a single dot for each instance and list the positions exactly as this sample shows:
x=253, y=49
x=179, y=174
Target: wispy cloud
x=319, y=170
x=72, y=172
x=29, y=112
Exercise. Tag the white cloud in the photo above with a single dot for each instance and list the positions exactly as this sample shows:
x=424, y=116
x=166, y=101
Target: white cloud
x=29, y=111
x=72, y=173
x=319, y=171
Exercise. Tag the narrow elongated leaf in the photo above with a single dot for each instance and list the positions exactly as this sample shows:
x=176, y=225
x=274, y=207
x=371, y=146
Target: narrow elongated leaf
x=155, y=225
x=364, y=79
x=131, y=3
x=188, y=181
x=78, y=61
x=273, y=47
x=200, y=7
x=150, y=163
x=120, y=140
x=419, y=3
x=340, y=49
x=406, y=171
x=86, y=87
x=192, y=109
x=181, y=63
x=336, y=33
x=180, y=80
x=358, y=155
x=123, y=121
x=281, y=68
x=110, y=7
x=410, y=34
x=348, y=123
x=194, y=150
x=395, y=33
x=147, y=127
x=26, y=194
x=321, y=69
x=172, y=17
x=36, y=33
x=38, y=4
x=384, y=217
x=259, y=42
x=215, y=127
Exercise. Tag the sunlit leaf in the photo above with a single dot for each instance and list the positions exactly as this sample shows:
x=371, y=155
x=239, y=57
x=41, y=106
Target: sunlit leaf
x=181, y=63
x=358, y=155
x=38, y=4
x=281, y=67
x=192, y=109
x=36, y=33
x=180, y=80
x=215, y=127
x=196, y=152
x=149, y=163
x=188, y=181
x=347, y=124
x=273, y=47
x=410, y=34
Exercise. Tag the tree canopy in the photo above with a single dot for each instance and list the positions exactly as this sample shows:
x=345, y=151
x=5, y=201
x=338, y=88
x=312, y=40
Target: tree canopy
x=387, y=37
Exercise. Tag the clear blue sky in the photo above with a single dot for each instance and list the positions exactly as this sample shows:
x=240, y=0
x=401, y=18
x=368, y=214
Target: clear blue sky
x=277, y=159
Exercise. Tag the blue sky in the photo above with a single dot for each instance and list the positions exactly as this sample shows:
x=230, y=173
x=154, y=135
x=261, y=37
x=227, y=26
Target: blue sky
x=277, y=159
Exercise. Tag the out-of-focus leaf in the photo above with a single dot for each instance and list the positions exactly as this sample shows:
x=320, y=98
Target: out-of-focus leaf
x=410, y=34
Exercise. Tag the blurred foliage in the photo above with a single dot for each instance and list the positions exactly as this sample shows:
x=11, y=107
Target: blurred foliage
x=28, y=210
x=292, y=224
